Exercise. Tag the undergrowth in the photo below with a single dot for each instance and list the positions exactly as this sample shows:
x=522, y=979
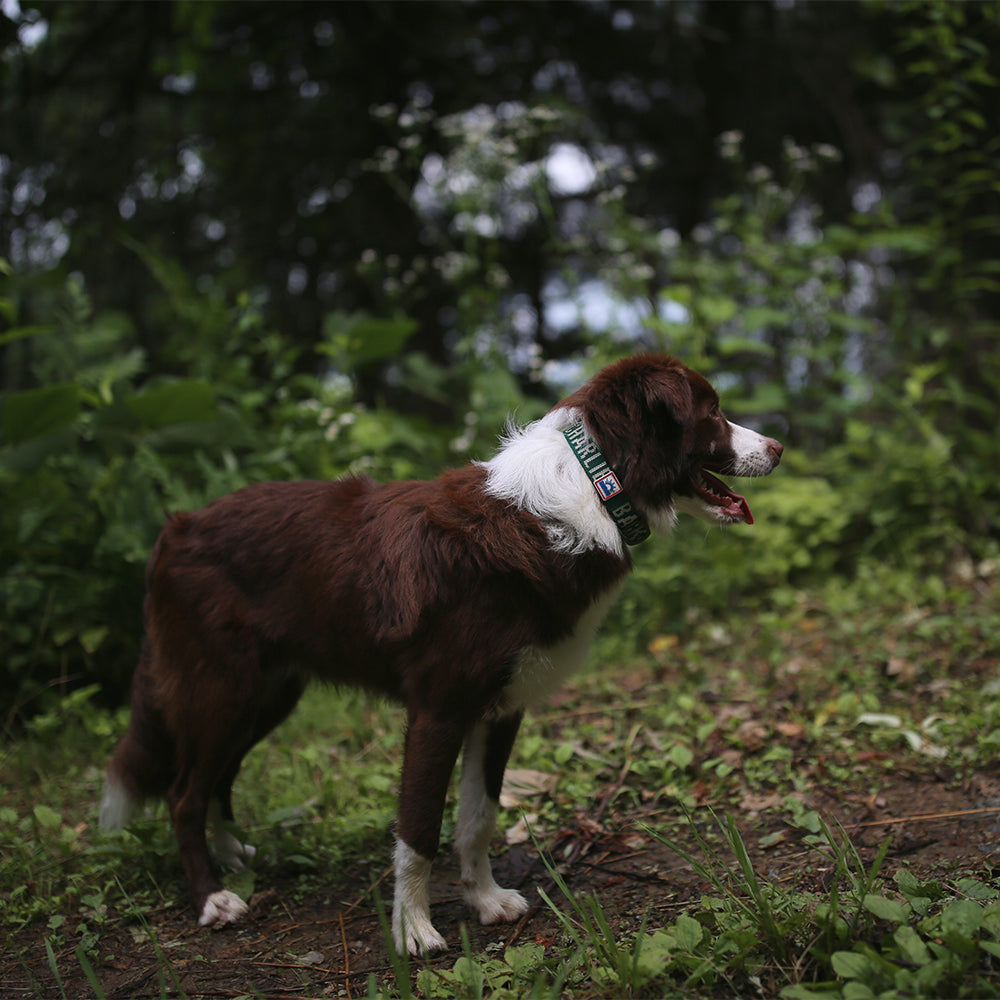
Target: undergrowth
x=863, y=938
x=834, y=690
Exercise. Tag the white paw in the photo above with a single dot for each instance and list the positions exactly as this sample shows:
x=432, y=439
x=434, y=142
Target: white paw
x=496, y=905
x=222, y=908
x=416, y=935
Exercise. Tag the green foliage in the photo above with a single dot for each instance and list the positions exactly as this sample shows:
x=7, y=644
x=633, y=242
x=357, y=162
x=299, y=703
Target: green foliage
x=863, y=337
x=860, y=940
x=317, y=800
x=764, y=296
x=781, y=309
x=95, y=456
x=522, y=971
x=940, y=941
x=896, y=494
x=951, y=147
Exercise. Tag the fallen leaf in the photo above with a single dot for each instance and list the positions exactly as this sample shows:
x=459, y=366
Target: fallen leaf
x=588, y=827
x=520, y=832
x=520, y=785
x=772, y=839
x=701, y=792
x=903, y=669
x=754, y=802
x=752, y=734
x=880, y=719
x=791, y=730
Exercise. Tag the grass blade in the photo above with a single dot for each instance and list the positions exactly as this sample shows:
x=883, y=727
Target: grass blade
x=88, y=971
x=53, y=965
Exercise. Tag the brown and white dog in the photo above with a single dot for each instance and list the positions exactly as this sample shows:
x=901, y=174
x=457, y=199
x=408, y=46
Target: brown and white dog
x=467, y=598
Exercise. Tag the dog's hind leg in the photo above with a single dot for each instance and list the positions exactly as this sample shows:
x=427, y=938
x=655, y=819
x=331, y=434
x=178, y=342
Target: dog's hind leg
x=432, y=746
x=487, y=749
x=227, y=848
x=210, y=745
x=189, y=800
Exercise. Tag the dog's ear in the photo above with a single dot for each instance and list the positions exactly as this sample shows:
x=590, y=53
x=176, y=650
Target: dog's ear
x=640, y=411
x=669, y=404
x=660, y=431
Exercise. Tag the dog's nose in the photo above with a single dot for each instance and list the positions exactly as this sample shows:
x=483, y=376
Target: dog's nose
x=775, y=448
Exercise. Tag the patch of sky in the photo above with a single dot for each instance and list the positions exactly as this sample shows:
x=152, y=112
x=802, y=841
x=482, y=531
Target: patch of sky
x=569, y=169
x=32, y=28
x=594, y=305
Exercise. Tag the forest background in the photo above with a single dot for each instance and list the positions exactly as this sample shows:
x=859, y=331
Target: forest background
x=249, y=241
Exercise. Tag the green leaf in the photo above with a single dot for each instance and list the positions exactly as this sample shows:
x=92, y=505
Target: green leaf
x=92, y=638
x=242, y=883
x=911, y=946
x=887, y=909
x=973, y=888
x=858, y=991
x=716, y=309
x=30, y=455
x=180, y=402
x=359, y=339
x=47, y=817
x=655, y=954
x=765, y=398
x=909, y=886
x=963, y=917
x=744, y=345
x=285, y=815
x=21, y=332
x=524, y=958
x=688, y=933
x=36, y=412
x=759, y=317
x=851, y=965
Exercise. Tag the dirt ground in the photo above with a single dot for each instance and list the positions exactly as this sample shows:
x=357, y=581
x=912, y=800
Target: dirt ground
x=329, y=944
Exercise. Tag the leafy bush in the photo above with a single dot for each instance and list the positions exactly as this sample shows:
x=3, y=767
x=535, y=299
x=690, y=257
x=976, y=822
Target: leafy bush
x=99, y=450
x=888, y=457
x=97, y=453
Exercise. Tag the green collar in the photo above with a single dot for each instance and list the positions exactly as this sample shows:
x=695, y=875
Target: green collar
x=630, y=522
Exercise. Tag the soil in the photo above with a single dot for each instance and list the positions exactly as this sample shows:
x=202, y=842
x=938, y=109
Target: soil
x=329, y=944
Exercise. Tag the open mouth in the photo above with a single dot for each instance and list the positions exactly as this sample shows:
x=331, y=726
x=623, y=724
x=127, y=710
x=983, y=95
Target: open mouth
x=718, y=494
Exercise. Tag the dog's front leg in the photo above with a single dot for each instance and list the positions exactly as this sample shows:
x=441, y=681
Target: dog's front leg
x=432, y=747
x=486, y=752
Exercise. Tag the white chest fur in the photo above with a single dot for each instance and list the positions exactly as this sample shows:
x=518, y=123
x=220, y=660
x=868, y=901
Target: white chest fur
x=540, y=670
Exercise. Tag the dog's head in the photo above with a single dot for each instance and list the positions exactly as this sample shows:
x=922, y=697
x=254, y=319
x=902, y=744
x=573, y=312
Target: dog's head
x=660, y=426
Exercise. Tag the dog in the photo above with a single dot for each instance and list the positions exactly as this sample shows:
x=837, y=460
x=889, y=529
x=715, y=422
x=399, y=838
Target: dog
x=468, y=598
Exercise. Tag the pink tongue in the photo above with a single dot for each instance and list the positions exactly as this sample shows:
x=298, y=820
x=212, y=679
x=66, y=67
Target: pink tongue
x=745, y=507
x=719, y=488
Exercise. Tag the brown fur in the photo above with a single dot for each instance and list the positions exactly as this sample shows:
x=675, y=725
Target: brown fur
x=426, y=592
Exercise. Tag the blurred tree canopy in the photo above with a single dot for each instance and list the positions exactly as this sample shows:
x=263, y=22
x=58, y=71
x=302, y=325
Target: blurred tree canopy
x=243, y=240
x=391, y=157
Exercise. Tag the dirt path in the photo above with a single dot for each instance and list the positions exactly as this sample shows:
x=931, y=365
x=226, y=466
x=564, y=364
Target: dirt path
x=329, y=944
